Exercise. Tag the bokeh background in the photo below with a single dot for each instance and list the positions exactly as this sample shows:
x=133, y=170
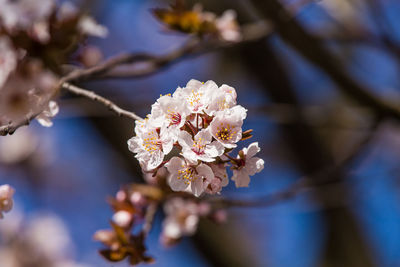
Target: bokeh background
x=301, y=120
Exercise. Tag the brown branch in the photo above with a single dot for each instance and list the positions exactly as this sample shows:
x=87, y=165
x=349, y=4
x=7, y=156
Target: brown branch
x=312, y=48
x=95, y=97
x=149, y=218
x=193, y=47
x=320, y=178
x=107, y=69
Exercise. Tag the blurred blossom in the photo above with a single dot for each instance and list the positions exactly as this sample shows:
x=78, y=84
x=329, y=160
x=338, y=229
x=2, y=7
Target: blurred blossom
x=182, y=217
x=6, y=201
x=91, y=56
x=8, y=59
x=40, y=228
x=227, y=27
x=87, y=25
x=24, y=14
x=41, y=242
x=24, y=90
x=18, y=147
x=196, y=21
x=35, y=40
x=44, y=118
x=122, y=218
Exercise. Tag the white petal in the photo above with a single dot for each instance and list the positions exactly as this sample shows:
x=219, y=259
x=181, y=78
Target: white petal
x=252, y=149
x=177, y=184
x=155, y=159
x=185, y=139
x=197, y=187
x=134, y=144
x=44, y=121
x=175, y=164
x=205, y=171
x=241, y=178
x=214, y=149
x=254, y=165
x=194, y=84
x=205, y=135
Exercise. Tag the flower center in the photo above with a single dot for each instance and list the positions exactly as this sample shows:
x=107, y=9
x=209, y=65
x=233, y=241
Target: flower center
x=187, y=175
x=194, y=99
x=222, y=105
x=152, y=143
x=225, y=132
x=198, y=146
x=173, y=117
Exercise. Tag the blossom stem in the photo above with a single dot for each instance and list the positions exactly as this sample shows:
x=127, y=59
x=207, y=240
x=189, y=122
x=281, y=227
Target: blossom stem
x=191, y=127
x=149, y=218
x=197, y=122
x=229, y=157
x=95, y=97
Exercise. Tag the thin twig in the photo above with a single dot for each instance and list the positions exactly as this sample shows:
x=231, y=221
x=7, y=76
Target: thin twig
x=95, y=97
x=324, y=177
x=313, y=49
x=154, y=63
x=150, y=64
x=149, y=218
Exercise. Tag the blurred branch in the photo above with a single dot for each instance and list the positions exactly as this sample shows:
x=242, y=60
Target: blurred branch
x=148, y=64
x=320, y=178
x=251, y=32
x=312, y=48
x=149, y=218
x=95, y=97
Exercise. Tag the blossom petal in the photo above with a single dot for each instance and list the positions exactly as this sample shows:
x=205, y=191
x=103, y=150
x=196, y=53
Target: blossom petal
x=254, y=165
x=241, y=178
x=252, y=149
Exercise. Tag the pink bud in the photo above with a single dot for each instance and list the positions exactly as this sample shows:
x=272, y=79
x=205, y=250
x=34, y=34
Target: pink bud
x=122, y=218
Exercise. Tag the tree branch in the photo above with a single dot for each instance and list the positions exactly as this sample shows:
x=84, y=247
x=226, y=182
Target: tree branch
x=320, y=178
x=312, y=48
x=251, y=32
x=95, y=97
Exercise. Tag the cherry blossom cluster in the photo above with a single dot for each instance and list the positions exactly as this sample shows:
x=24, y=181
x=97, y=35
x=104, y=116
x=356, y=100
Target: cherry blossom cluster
x=36, y=38
x=192, y=133
x=130, y=206
x=197, y=21
x=39, y=239
x=183, y=216
x=134, y=208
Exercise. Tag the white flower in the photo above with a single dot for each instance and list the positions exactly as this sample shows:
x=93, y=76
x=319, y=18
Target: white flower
x=226, y=127
x=247, y=165
x=221, y=99
x=8, y=59
x=182, y=218
x=87, y=25
x=45, y=117
x=39, y=230
x=149, y=145
x=197, y=94
x=6, y=201
x=227, y=26
x=40, y=32
x=170, y=113
x=220, y=179
x=24, y=14
x=184, y=177
x=18, y=147
x=201, y=148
